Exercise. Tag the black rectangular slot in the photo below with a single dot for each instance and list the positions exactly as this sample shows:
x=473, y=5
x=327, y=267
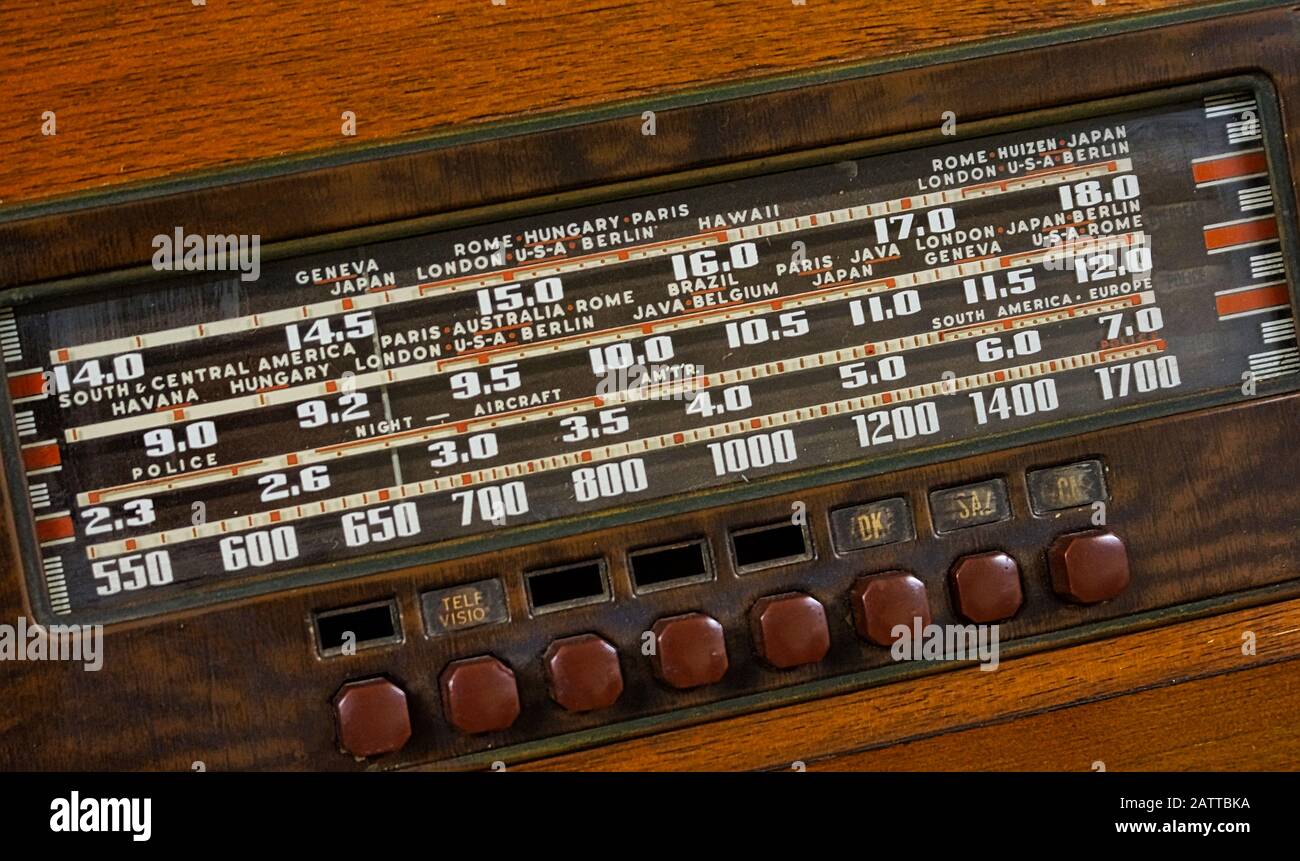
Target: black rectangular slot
x=666, y=567
x=570, y=586
x=768, y=546
x=364, y=627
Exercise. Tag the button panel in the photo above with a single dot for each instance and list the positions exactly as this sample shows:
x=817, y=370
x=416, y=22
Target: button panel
x=690, y=619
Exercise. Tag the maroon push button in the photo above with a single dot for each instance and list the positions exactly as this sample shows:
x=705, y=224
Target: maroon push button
x=480, y=695
x=884, y=601
x=986, y=587
x=373, y=718
x=690, y=650
x=790, y=630
x=1088, y=567
x=583, y=673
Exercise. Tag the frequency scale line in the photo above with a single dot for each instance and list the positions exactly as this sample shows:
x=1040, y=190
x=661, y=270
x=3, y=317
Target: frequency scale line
x=608, y=452
x=654, y=391
x=540, y=269
x=424, y=370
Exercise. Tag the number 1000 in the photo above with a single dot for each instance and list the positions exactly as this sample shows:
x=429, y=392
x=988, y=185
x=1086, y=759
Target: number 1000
x=753, y=452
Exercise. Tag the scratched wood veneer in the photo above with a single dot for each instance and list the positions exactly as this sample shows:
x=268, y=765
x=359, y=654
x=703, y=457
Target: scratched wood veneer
x=149, y=91
x=154, y=88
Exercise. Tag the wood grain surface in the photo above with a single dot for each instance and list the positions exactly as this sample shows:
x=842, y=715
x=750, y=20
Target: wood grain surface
x=1243, y=721
x=153, y=88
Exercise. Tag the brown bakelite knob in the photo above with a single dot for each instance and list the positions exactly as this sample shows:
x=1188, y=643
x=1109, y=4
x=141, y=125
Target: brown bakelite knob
x=1088, y=567
x=881, y=602
x=790, y=630
x=583, y=673
x=986, y=587
x=373, y=717
x=690, y=650
x=480, y=695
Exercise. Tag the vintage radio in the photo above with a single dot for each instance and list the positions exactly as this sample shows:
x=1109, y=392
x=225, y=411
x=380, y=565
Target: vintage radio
x=608, y=438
